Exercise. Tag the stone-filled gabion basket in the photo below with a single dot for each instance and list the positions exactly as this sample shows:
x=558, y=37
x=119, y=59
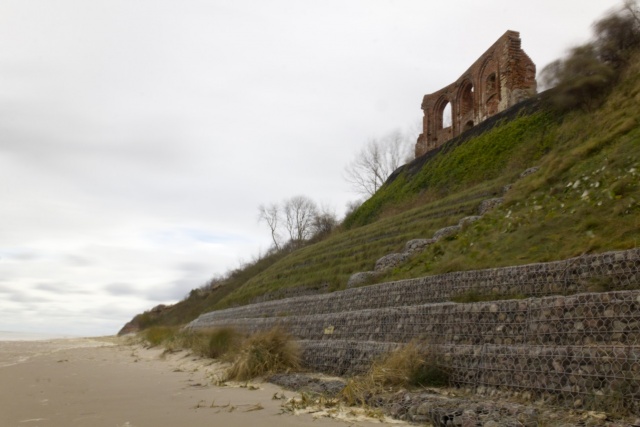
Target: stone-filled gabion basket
x=556, y=341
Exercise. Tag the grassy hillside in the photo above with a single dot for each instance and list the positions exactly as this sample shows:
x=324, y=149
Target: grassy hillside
x=584, y=199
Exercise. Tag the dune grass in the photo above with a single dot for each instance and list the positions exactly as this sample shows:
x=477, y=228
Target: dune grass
x=217, y=343
x=265, y=353
x=250, y=356
x=412, y=365
x=158, y=335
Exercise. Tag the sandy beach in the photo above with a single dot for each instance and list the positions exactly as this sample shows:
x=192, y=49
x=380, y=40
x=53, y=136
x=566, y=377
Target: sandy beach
x=101, y=382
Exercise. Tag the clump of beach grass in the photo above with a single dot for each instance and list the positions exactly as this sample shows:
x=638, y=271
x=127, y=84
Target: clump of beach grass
x=250, y=356
x=408, y=366
x=221, y=343
x=186, y=340
x=216, y=343
x=265, y=353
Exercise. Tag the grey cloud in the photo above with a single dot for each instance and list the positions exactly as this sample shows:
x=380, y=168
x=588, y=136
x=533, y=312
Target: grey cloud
x=112, y=311
x=24, y=297
x=56, y=287
x=193, y=267
x=77, y=260
x=174, y=291
x=19, y=255
x=61, y=288
x=118, y=289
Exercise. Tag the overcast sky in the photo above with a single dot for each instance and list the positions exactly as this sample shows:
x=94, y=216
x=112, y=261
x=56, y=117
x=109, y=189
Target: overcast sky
x=138, y=137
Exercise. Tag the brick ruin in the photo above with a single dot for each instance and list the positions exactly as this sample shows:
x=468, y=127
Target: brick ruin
x=503, y=76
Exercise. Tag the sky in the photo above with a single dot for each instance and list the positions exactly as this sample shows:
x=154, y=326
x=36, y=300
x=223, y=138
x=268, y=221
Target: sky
x=139, y=137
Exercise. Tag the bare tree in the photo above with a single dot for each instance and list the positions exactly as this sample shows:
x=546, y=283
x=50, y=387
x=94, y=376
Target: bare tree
x=299, y=213
x=375, y=162
x=300, y=218
x=271, y=215
x=324, y=222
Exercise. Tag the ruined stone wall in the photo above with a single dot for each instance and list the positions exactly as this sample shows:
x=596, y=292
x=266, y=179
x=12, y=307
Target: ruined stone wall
x=503, y=76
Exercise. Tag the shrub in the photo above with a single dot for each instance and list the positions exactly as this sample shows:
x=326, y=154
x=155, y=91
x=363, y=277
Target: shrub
x=585, y=77
x=264, y=353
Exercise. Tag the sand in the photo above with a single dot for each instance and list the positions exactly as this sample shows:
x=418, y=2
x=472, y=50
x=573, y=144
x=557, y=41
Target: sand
x=97, y=383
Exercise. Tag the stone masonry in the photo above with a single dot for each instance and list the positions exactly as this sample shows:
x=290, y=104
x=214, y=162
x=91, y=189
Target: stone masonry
x=503, y=76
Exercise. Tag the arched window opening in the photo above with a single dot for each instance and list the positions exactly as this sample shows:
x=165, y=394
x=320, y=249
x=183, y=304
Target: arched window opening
x=490, y=86
x=491, y=95
x=468, y=125
x=446, y=116
x=466, y=99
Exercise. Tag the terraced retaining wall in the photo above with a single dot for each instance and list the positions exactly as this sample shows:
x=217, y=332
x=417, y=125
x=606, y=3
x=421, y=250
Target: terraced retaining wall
x=582, y=319
x=610, y=270
x=582, y=348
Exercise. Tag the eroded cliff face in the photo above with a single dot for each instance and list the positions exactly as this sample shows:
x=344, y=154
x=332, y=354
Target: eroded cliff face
x=503, y=76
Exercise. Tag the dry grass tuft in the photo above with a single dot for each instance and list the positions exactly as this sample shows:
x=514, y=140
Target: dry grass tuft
x=213, y=343
x=183, y=340
x=398, y=367
x=263, y=353
x=259, y=354
x=410, y=365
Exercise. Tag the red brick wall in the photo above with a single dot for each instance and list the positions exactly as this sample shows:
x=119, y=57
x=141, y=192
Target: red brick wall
x=503, y=76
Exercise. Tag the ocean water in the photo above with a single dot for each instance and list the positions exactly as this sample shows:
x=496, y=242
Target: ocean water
x=28, y=336
x=18, y=347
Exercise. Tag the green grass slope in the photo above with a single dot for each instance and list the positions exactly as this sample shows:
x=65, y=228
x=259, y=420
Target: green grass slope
x=584, y=199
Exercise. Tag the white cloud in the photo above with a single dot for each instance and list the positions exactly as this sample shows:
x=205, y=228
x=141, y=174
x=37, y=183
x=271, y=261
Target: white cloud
x=138, y=138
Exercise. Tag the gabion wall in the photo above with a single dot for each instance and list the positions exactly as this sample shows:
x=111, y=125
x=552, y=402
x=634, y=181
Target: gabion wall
x=610, y=270
x=602, y=377
x=582, y=319
x=583, y=348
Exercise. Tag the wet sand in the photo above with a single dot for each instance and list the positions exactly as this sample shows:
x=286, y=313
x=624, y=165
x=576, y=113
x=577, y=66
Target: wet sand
x=97, y=383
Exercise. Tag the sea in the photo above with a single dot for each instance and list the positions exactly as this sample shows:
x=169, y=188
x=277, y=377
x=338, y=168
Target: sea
x=19, y=347
x=29, y=336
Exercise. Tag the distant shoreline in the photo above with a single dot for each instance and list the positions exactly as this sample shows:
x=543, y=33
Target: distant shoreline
x=31, y=336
